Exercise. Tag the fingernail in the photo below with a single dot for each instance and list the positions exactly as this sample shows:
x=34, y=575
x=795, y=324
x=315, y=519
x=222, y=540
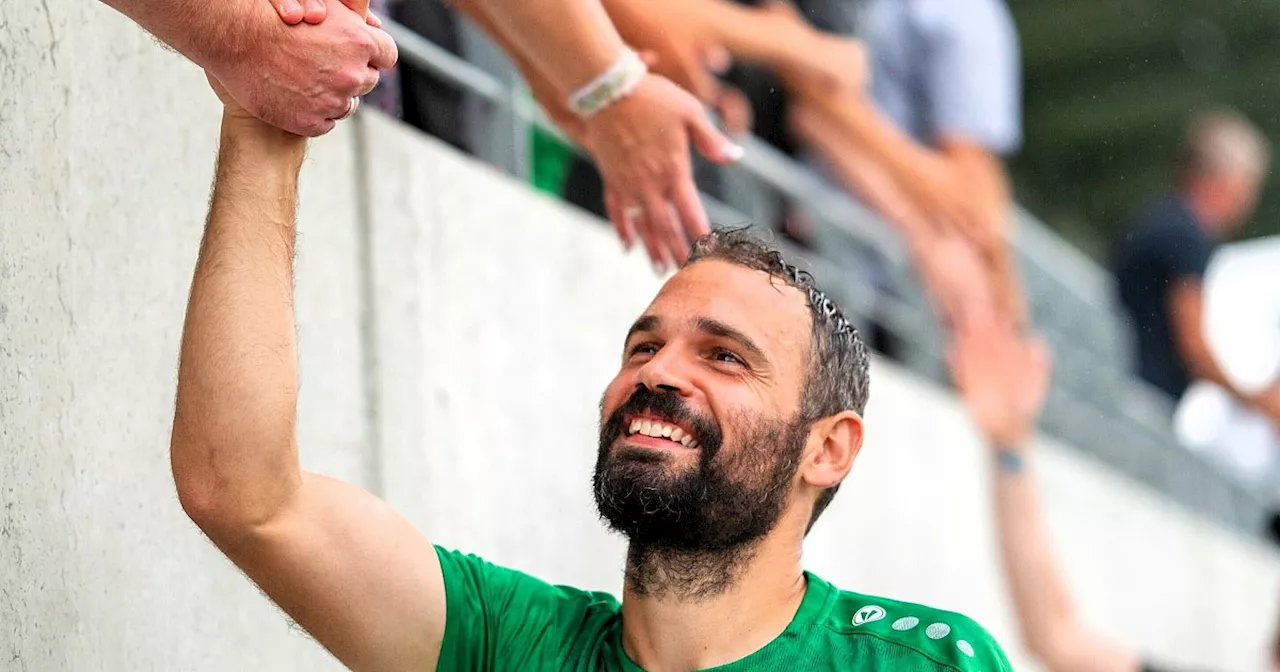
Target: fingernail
x=734, y=152
x=659, y=268
x=292, y=7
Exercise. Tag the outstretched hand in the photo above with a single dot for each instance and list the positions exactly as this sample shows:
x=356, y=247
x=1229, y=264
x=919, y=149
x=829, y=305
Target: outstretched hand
x=641, y=147
x=1003, y=377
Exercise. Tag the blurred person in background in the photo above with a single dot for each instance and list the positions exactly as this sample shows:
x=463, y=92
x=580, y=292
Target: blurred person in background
x=734, y=417
x=925, y=144
x=1241, y=326
x=1002, y=378
x=1160, y=261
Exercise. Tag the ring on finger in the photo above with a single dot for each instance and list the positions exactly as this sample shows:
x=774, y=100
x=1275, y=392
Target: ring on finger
x=633, y=212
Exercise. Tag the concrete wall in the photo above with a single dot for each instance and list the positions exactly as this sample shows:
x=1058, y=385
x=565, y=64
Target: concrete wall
x=455, y=331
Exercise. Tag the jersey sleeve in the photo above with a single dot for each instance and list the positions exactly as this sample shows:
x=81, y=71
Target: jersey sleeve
x=501, y=619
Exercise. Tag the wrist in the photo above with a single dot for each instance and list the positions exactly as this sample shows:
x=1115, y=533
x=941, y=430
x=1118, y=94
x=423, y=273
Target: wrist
x=615, y=83
x=1008, y=459
x=268, y=144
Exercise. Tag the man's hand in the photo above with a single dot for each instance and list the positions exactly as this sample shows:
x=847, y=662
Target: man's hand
x=303, y=78
x=1003, y=377
x=641, y=146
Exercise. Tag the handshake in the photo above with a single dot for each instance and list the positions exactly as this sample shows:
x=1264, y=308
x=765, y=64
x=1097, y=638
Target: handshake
x=304, y=69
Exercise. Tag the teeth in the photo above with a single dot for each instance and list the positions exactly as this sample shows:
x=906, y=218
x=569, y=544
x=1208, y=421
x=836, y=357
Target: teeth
x=659, y=430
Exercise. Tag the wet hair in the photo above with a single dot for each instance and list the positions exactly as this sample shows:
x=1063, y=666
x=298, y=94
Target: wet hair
x=837, y=374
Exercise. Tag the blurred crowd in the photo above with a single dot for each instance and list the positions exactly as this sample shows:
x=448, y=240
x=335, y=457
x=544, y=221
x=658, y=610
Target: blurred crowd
x=912, y=108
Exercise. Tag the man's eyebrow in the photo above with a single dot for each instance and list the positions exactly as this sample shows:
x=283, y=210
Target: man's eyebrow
x=717, y=328
x=645, y=323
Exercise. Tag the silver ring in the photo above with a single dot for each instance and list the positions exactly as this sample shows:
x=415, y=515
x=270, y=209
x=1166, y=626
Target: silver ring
x=633, y=212
x=352, y=105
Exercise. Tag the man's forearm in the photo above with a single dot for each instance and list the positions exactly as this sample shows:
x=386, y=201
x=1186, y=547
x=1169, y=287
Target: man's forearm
x=208, y=33
x=572, y=40
x=233, y=449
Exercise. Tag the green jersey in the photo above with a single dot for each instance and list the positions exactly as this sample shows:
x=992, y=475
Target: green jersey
x=500, y=619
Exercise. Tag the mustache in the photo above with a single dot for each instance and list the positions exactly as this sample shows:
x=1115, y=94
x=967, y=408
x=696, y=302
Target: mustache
x=669, y=406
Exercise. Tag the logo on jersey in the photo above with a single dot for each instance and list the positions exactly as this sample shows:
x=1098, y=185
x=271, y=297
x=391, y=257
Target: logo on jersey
x=868, y=614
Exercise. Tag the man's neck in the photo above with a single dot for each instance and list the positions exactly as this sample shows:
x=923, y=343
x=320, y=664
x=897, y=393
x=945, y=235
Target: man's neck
x=681, y=616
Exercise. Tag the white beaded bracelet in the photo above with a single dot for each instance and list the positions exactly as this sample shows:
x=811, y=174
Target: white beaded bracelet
x=609, y=86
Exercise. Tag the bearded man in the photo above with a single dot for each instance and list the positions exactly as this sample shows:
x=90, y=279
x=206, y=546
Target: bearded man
x=733, y=419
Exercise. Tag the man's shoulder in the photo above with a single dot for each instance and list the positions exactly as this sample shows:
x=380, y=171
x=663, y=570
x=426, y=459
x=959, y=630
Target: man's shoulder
x=949, y=639
x=466, y=571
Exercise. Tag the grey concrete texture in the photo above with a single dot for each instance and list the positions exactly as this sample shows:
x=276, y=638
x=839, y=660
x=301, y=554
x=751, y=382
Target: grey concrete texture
x=106, y=153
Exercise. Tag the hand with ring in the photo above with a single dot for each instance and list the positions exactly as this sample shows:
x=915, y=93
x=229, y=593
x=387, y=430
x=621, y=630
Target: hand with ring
x=641, y=146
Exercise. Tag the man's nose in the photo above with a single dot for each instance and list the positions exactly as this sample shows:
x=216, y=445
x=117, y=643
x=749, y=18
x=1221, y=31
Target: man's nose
x=665, y=372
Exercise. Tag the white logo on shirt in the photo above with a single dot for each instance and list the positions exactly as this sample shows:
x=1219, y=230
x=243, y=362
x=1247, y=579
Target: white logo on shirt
x=868, y=614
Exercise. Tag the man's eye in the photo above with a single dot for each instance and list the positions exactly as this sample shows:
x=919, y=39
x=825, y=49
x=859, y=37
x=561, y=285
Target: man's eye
x=727, y=357
x=643, y=349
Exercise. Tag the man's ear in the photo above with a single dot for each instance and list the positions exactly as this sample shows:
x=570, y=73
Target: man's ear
x=836, y=441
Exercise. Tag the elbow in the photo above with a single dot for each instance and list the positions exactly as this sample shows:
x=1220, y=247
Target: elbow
x=197, y=495
x=208, y=503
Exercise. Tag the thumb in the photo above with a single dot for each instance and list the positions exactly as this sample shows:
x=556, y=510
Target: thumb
x=709, y=141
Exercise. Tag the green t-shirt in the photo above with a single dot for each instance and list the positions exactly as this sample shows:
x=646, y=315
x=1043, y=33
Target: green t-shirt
x=499, y=619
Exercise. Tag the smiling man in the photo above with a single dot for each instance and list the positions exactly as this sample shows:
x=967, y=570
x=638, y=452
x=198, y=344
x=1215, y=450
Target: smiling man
x=733, y=419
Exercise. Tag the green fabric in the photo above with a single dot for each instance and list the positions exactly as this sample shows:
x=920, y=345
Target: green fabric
x=551, y=159
x=499, y=619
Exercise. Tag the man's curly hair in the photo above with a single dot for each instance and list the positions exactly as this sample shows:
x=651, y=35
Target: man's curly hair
x=837, y=376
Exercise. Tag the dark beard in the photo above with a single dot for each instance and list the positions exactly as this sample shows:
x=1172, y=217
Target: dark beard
x=691, y=530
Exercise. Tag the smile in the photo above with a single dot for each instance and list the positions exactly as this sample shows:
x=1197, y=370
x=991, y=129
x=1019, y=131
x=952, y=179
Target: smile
x=660, y=430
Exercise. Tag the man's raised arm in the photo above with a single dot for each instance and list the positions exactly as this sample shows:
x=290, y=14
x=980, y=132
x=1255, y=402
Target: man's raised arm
x=357, y=576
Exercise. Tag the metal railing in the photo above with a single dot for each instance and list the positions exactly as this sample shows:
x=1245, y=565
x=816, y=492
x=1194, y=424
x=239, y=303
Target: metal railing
x=1095, y=405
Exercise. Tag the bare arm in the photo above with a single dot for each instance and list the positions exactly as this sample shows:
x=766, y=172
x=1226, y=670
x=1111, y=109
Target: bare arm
x=1051, y=627
x=357, y=576
x=1003, y=378
x=1186, y=317
x=573, y=40
x=953, y=273
x=208, y=33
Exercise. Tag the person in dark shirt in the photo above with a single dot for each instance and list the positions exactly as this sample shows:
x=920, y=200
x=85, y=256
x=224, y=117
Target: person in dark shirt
x=1159, y=261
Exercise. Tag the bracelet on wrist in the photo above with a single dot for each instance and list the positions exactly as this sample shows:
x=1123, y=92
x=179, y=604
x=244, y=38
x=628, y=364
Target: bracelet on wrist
x=610, y=86
x=1008, y=460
